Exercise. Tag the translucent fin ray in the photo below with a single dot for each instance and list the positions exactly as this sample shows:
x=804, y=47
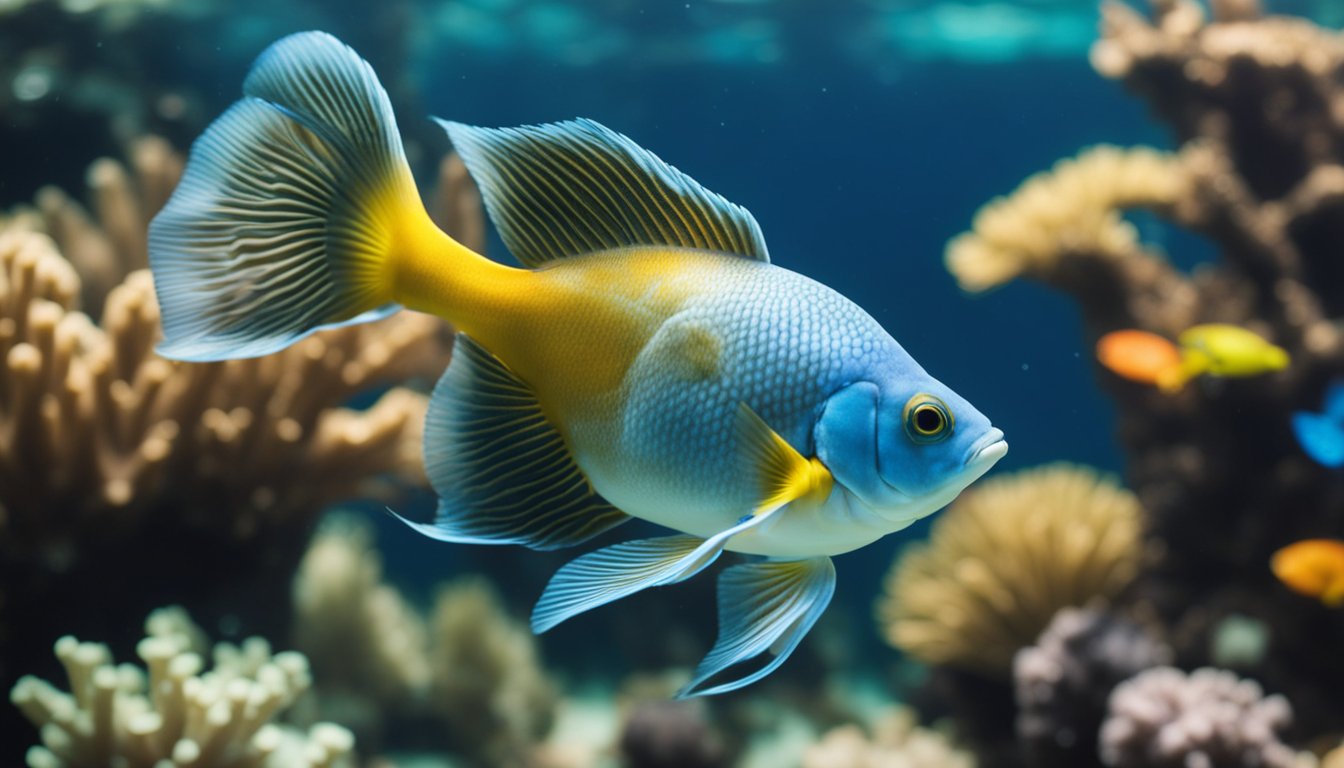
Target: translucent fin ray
x=565, y=189
x=609, y=574
x=784, y=475
x=764, y=608
x=281, y=224
x=502, y=471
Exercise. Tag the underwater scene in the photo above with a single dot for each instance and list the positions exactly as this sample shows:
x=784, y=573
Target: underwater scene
x=611, y=384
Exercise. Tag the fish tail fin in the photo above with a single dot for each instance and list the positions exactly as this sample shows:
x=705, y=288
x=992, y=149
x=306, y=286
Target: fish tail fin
x=294, y=205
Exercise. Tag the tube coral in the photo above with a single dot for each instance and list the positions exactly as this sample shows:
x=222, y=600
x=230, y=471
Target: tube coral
x=1006, y=556
x=174, y=713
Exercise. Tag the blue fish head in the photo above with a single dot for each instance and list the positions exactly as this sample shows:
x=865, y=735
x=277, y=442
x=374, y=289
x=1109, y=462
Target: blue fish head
x=905, y=446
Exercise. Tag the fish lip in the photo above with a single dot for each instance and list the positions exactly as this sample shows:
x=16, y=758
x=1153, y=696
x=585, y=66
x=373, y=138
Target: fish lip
x=987, y=450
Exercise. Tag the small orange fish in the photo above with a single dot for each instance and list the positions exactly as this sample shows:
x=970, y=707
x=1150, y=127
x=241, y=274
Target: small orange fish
x=1139, y=356
x=1313, y=567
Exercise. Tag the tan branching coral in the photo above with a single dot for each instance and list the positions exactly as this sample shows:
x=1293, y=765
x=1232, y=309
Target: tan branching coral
x=1006, y=556
x=897, y=742
x=174, y=713
x=1073, y=210
x=471, y=666
x=487, y=681
x=367, y=645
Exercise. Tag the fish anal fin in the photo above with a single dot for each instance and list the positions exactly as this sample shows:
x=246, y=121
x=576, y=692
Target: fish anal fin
x=764, y=608
x=785, y=476
x=503, y=472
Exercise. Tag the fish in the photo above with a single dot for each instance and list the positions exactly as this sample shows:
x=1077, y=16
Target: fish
x=645, y=360
x=1214, y=349
x=1139, y=356
x=1321, y=435
x=1313, y=567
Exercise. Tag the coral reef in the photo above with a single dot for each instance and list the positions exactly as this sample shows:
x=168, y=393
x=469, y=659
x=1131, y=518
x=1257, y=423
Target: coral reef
x=367, y=645
x=113, y=460
x=469, y=676
x=1255, y=105
x=1064, y=680
x=174, y=713
x=1008, y=554
x=1164, y=718
x=486, y=679
x=897, y=742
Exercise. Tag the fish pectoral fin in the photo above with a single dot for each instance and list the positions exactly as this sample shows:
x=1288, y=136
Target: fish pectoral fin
x=784, y=475
x=566, y=189
x=764, y=608
x=501, y=470
x=611, y=573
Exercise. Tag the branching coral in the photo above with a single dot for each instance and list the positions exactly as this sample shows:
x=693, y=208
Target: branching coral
x=1164, y=718
x=113, y=460
x=897, y=742
x=1006, y=556
x=471, y=666
x=177, y=714
x=1064, y=680
x=367, y=645
x=1072, y=209
x=487, y=682
x=1257, y=106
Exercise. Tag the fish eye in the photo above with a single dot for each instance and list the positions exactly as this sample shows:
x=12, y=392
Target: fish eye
x=927, y=419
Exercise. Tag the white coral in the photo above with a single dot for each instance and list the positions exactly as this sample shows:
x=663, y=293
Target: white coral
x=177, y=714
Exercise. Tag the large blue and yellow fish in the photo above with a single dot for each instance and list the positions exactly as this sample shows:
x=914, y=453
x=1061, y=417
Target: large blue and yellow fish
x=646, y=361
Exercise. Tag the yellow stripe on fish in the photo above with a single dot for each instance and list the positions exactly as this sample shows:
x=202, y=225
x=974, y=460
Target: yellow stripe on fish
x=646, y=360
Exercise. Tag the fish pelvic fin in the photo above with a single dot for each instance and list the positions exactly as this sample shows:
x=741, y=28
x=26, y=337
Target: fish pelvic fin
x=765, y=609
x=785, y=476
x=611, y=573
x=291, y=210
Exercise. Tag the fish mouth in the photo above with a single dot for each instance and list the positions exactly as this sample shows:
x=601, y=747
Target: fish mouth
x=986, y=452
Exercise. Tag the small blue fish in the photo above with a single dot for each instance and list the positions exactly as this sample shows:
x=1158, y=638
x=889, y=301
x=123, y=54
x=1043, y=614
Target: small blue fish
x=1321, y=435
x=646, y=361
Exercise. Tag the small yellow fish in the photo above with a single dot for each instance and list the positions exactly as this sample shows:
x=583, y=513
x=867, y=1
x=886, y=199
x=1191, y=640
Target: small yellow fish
x=1313, y=567
x=1219, y=349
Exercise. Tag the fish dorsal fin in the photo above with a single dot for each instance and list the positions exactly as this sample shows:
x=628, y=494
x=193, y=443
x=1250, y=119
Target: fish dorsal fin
x=501, y=469
x=566, y=189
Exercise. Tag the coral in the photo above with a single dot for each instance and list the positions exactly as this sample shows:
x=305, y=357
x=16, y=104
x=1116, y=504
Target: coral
x=113, y=460
x=366, y=644
x=173, y=713
x=670, y=734
x=1334, y=758
x=1064, y=680
x=470, y=676
x=1008, y=554
x=486, y=681
x=1164, y=718
x=1072, y=209
x=1256, y=105
x=897, y=742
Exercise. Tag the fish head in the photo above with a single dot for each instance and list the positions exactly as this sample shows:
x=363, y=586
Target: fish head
x=905, y=446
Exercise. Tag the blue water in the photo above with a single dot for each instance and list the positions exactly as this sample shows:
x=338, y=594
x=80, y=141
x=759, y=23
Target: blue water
x=862, y=137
